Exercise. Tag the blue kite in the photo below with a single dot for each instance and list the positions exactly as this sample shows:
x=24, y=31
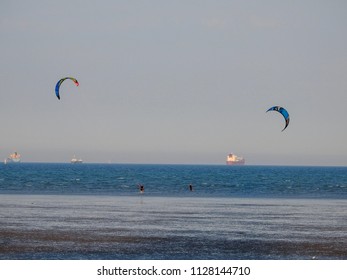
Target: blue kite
x=282, y=111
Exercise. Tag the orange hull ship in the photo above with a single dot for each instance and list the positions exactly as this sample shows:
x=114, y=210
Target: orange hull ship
x=235, y=160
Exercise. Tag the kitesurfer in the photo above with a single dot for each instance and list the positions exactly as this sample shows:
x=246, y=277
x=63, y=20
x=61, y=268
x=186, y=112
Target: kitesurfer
x=142, y=188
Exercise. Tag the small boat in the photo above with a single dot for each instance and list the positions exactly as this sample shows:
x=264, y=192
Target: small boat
x=12, y=158
x=75, y=160
x=233, y=159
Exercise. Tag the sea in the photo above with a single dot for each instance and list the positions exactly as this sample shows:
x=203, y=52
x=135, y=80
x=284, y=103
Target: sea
x=96, y=211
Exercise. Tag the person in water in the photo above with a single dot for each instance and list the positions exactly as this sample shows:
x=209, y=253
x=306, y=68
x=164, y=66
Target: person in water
x=142, y=188
x=191, y=187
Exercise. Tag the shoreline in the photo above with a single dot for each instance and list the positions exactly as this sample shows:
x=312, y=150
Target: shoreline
x=180, y=195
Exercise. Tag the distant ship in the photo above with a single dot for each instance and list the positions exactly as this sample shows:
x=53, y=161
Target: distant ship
x=75, y=160
x=235, y=160
x=12, y=158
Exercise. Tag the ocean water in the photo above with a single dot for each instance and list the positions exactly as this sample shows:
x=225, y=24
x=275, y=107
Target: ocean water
x=173, y=180
x=95, y=211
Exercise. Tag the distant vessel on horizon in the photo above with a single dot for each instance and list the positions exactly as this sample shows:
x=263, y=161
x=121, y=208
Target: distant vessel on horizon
x=233, y=159
x=75, y=160
x=12, y=158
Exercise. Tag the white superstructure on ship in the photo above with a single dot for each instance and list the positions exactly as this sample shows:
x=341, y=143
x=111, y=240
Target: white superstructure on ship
x=76, y=160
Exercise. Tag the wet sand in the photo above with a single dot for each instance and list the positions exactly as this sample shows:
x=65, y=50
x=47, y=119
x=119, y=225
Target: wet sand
x=96, y=227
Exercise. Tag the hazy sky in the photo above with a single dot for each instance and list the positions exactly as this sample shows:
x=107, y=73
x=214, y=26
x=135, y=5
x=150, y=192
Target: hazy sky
x=174, y=81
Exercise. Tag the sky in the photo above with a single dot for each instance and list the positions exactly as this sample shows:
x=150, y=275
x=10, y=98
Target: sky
x=181, y=82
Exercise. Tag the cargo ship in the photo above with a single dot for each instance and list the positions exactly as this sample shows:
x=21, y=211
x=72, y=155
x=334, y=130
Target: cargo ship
x=12, y=158
x=233, y=159
x=75, y=160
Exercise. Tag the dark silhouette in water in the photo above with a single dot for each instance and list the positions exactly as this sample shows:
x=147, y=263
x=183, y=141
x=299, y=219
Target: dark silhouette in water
x=142, y=188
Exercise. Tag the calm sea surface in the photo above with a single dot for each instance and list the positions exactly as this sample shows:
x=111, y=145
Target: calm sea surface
x=95, y=211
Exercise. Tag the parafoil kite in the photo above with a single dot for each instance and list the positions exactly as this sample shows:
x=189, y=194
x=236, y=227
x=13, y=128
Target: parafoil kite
x=282, y=111
x=60, y=82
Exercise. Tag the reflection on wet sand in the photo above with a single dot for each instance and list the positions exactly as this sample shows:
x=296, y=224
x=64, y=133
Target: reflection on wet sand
x=65, y=227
